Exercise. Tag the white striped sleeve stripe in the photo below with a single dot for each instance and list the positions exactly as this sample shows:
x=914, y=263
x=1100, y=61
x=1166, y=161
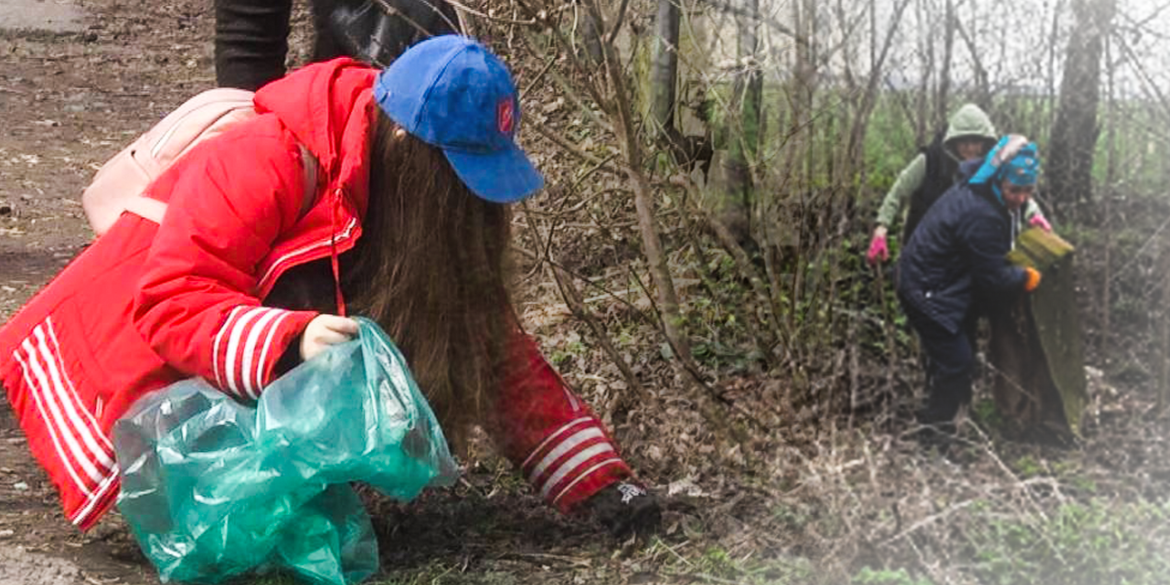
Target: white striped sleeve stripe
x=260, y=367
x=244, y=342
x=79, y=443
x=231, y=359
x=249, y=374
x=583, y=475
x=572, y=442
x=553, y=436
x=215, y=345
x=572, y=464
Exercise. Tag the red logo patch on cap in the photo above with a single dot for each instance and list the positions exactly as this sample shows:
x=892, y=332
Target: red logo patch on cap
x=506, y=116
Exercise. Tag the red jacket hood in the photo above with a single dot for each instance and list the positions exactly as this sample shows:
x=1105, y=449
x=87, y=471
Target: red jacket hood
x=327, y=107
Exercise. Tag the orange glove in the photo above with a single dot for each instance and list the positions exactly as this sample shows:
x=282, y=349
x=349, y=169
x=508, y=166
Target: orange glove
x=1031, y=279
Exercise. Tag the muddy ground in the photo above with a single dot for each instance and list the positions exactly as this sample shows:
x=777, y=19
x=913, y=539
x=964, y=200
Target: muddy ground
x=75, y=83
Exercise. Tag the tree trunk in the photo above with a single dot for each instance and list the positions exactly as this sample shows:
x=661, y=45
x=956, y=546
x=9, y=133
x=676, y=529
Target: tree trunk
x=798, y=150
x=1074, y=134
x=743, y=125
x=1053, y=59
x=664, y=68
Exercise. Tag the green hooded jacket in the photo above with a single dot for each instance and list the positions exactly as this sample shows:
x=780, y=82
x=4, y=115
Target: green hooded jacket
x=969, y=120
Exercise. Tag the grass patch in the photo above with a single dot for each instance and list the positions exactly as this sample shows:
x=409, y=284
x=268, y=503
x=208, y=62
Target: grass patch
x=1079, y=543
x=868, y=576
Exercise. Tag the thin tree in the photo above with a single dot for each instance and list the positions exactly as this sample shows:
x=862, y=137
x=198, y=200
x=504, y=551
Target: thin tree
x=944, y=75
x=982, y=89
x=925, y=33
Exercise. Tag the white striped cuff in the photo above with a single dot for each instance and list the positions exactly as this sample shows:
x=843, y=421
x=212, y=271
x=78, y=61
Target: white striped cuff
x=568, y=455
x=242, y=348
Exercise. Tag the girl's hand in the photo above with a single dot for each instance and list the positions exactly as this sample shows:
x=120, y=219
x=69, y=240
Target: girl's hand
x=324, y=331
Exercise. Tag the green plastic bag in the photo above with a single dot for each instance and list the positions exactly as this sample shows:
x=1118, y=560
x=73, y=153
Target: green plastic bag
x=213, y=488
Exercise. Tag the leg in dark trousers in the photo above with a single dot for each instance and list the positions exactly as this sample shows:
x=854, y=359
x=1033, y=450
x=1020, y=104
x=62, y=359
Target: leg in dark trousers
x=950, y=359
x=251, y=41
x=251, y=36
x=368, y=31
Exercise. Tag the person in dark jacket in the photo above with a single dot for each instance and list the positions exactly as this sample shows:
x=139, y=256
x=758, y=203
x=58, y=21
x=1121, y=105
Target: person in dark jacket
x=955, y=262
x=251, y=36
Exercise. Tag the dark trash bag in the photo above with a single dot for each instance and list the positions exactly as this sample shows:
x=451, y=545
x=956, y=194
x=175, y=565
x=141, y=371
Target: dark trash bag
x=213, y=488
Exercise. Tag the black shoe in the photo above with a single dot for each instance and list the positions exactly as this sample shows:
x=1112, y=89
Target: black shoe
x=626, y=508
x=938, y=436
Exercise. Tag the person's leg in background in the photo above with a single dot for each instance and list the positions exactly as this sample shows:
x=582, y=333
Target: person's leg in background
x=251, y=36
x=365, y=30
x=251, y=41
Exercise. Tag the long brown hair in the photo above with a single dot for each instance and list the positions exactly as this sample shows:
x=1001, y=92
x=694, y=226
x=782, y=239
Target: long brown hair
x=430, y=269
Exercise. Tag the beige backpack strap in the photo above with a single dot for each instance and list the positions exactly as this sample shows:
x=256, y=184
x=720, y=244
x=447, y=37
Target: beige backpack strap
x=146, y=208
x=153, y=209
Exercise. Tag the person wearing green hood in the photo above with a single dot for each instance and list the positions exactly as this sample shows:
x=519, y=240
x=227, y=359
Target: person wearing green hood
x=968, y=136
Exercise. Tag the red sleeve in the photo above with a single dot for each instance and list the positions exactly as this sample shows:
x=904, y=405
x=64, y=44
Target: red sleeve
x=550, y=434
x=229, y=200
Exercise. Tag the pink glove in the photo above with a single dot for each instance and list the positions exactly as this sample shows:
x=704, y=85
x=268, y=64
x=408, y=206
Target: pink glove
x=1040, y=222
x=878, y=248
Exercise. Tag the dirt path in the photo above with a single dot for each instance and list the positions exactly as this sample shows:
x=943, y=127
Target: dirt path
x=72, y=88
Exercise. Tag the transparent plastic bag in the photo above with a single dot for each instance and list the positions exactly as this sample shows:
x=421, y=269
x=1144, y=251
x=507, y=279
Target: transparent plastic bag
x=213, y=488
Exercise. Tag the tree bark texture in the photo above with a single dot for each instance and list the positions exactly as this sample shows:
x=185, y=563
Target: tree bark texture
x=743, y=125
x=1074, y=134
x=664, y=67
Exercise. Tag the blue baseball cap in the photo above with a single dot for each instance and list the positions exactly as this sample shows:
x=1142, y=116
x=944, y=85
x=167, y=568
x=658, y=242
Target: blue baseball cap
x=451, y=92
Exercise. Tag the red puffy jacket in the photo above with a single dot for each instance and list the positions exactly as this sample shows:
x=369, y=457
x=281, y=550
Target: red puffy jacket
x=146, y=305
